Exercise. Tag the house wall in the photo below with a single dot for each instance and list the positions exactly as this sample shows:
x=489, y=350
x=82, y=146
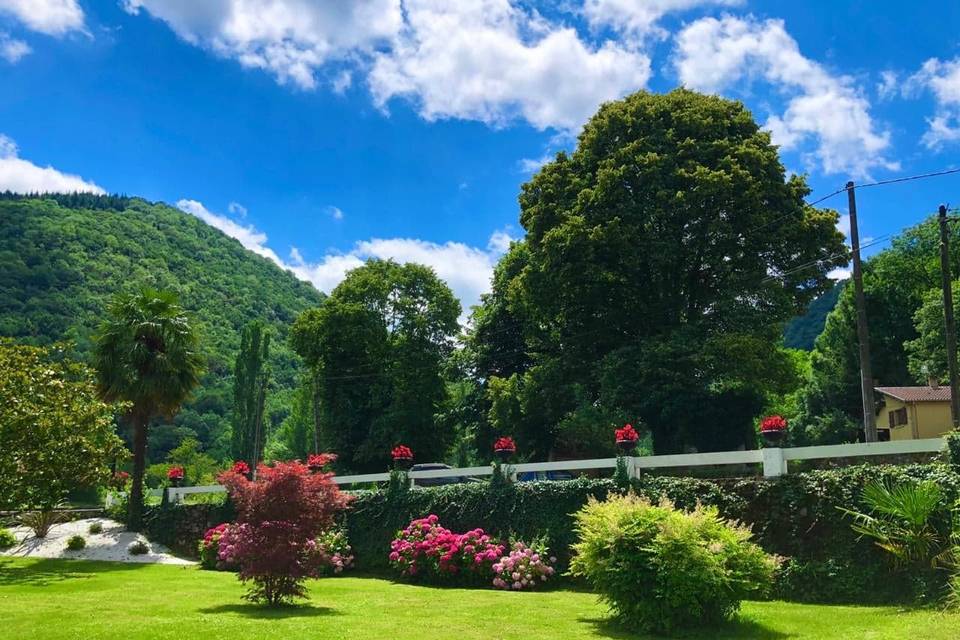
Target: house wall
x=924, y=419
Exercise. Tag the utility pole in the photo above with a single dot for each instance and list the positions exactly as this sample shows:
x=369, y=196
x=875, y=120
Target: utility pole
x=863, y=333
x=949, y=326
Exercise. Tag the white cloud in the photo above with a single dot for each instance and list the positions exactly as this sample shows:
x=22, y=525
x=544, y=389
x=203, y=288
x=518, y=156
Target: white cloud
x=487, y=60
x=466, y=269
x=532, y=165
x=335, y=212
x=889, y=85
x=289, y=38
x=237, y=209
x=490, y=61
x=717, y=54
x=840, y=273
x=22, y=176
x=639, y=19
x=12, y=50
x=942, y=79
x=52, y=17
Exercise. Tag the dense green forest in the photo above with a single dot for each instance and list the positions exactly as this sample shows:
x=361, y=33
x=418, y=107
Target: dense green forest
x=802, y=331
x=63, y=257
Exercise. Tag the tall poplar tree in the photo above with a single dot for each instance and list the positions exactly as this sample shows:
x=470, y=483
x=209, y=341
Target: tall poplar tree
x=251, y=378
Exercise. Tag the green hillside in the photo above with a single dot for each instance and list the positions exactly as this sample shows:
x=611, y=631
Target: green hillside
x=802, y=331
x=63, y=257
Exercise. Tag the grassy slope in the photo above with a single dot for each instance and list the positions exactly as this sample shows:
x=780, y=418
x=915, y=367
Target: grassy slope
x=55, y=599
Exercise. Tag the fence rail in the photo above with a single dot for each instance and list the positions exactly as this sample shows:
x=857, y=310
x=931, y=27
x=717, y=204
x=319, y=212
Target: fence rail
x=774, y=461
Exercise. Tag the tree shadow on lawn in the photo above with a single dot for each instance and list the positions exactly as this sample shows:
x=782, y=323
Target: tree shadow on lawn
x=43, y=572
x=739, y=628
x=272, y=613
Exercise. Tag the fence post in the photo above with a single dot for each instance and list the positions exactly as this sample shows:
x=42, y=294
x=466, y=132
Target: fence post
x=634, y=469
x=773, y=462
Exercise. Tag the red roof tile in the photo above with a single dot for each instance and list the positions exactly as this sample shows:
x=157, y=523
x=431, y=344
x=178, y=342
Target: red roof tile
x=917, y=394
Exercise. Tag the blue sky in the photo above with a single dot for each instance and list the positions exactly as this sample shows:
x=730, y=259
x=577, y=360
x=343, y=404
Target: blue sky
x=323, y=133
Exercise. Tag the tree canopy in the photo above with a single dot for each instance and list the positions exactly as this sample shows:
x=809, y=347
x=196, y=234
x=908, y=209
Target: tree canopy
x=662, y=258
x=377, y=347
x=55, y=432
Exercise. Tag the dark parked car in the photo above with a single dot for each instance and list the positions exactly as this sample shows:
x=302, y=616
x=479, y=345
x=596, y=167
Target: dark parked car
x=531, y=476
x=436, y=482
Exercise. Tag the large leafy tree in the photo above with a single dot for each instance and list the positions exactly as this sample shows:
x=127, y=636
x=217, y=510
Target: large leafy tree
x=662, y=257
x=251, y=377
x=377, y=347
x=146, y=354
x=55, y=432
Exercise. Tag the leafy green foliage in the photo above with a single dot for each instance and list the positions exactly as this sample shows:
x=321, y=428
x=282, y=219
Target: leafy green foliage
x=251, y=377
x=952, y=449
x=63, y=257
x=76, y=543
x=660, y=569
x=147, y=356
x=642, y=290
x=927, y=353
x=95, y=528
x=55, y=432
x=7, y=539
x=909, y=521
x=377, y=347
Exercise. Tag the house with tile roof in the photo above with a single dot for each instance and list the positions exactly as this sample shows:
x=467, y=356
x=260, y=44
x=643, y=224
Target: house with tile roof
x=909, y=413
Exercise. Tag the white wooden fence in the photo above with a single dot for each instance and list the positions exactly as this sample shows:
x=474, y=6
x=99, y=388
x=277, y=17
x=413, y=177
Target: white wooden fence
x=774, y=461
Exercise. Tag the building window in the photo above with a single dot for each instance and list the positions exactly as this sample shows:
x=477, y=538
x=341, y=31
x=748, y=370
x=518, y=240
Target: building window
x=897, y=418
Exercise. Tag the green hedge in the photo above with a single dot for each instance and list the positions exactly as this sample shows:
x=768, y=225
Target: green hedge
x=795, y=516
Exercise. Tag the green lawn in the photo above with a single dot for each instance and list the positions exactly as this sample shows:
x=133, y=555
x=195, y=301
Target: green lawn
x=54, y=599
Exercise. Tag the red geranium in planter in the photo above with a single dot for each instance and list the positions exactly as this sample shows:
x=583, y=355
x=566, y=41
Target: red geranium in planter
x=626, y=438
x=504, y=448
x=402, y=456
x=773, y=429
x=175, y=475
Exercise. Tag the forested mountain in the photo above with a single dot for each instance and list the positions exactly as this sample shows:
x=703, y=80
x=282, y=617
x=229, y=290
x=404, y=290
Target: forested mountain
x=802, y=331
x=63, y=257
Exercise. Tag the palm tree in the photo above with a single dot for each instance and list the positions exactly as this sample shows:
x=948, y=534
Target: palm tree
x=146, y=355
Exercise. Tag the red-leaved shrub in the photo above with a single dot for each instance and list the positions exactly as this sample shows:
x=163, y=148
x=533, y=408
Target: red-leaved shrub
x=279, y=516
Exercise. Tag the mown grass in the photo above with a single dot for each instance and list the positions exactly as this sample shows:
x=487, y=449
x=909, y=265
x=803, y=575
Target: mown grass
x=61, y=599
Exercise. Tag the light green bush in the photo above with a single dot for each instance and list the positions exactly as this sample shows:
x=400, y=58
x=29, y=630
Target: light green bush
x=660, y=569
x=7, y=539
x=76, y=543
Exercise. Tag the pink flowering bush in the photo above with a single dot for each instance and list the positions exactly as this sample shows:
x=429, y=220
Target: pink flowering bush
x=336, y=551
x=524, y=568
x=210, y=548
x=427, y=550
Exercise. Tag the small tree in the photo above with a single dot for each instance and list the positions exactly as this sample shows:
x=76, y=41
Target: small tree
x=279, y=516
x=147, y=354
x=251, y=378
x=55, y=433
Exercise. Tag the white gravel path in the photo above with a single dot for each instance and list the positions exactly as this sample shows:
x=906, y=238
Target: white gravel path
x=110, y=544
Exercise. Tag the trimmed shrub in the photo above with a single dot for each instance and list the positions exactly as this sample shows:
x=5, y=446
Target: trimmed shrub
x=660, y=569
x=7, y=539
x=951, y=449
x=138, y=548
x=95, y=528
x=76, y=543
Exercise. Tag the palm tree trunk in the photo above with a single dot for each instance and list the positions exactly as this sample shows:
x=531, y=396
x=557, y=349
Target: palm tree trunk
x=135, y=507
